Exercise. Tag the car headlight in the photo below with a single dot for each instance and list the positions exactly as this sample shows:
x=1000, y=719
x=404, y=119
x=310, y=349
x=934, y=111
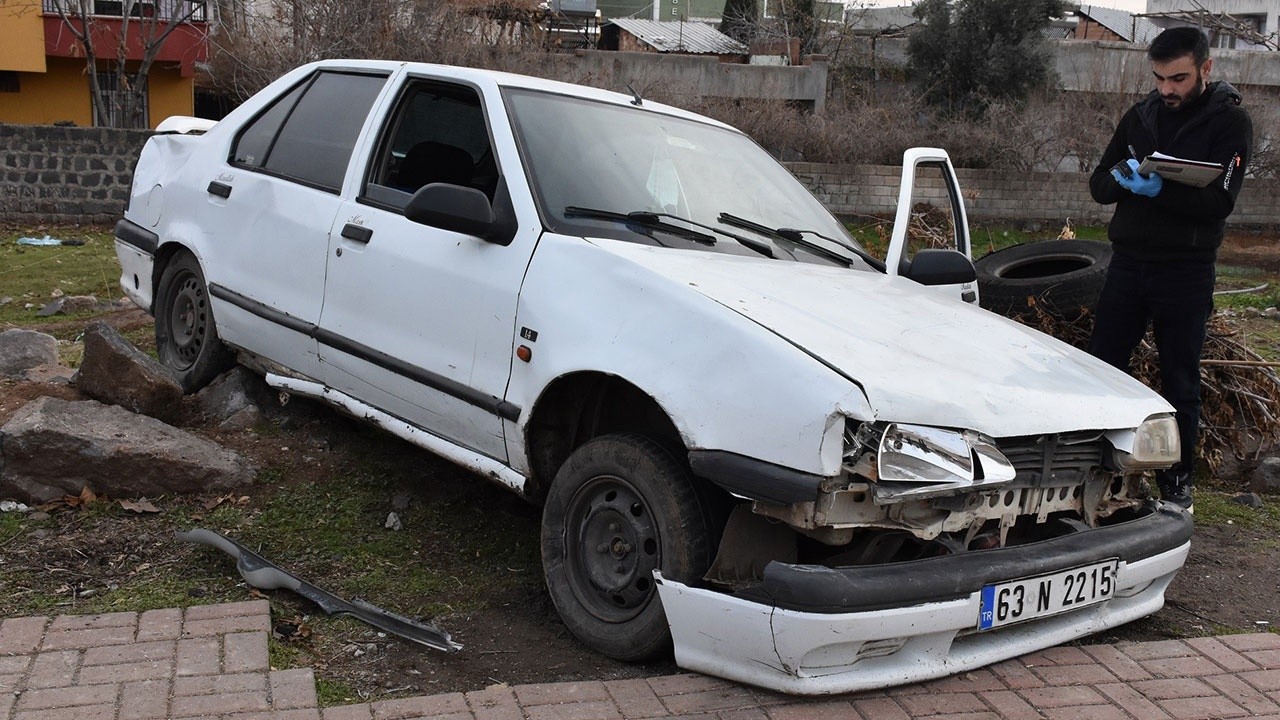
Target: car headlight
x=919, y=461
x=1153, y=444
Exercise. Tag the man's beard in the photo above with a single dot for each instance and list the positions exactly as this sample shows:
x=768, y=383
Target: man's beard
x=1196, y=91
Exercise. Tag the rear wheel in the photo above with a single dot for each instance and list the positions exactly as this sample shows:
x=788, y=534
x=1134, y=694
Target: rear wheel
x=621, y=507
x=186, y=335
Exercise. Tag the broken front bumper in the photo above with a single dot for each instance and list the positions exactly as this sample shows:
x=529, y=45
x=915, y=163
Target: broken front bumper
x=815, y=630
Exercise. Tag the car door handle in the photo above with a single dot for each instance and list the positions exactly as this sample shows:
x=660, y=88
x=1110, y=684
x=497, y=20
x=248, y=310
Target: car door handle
x=220, y=189
x=358, y=233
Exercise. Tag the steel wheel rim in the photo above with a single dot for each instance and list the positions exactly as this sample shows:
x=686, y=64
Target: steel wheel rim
x=188, y=320
x=613, y=547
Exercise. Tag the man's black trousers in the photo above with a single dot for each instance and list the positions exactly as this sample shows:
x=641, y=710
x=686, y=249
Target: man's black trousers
x=1176, y=298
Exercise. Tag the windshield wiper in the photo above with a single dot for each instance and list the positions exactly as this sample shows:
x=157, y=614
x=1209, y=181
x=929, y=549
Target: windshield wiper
x=797, y=237
x=650, y=219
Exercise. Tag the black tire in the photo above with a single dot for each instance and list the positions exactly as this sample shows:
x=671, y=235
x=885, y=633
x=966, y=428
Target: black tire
x=620, y=507
x=1058, y=276
x=186, y=335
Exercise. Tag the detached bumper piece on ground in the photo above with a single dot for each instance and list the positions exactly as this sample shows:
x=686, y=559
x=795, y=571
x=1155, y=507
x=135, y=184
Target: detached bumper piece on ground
x=262, y=574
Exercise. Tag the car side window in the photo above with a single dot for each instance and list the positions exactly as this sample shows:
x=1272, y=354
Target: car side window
x=437, y=134
x=309, y=135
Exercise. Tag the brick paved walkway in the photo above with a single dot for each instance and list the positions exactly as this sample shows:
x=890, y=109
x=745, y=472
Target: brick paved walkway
x=211, y=661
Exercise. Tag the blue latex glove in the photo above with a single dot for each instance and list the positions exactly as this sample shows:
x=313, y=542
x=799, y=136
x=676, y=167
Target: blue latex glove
x=1137, y=183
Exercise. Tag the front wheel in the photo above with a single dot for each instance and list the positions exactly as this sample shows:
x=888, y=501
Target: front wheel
x=621, y=507
x=186, y=336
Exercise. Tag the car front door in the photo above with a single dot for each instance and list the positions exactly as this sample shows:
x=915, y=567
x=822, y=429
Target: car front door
x=931, y=216
x=419, y=321
x=270, y=208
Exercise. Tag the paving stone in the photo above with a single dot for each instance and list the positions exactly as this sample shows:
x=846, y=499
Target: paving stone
x=125, y=672
x=1155, y=650
x=1010, y=705
x=147, y=700
x=1122, y=666
x=134, y=652
x=163, y=624
x=880, y=709
x=1132, y=702
x=297, y=714
x=1203, y=707
x=582, y=710
x=1074, y=674
x=499, y=703
x=199, y=656
x=225, y=610
x=685, y=683
x=974, y=681
x=94, y=622
x=80, y=639
x=1228, y=659
x=362, y=711
x=219, y=684
x=1015, y=675
x=1086, y=712
x=1171, y=689
x=1181, y=667
x=1050, y=697
x=941, y=703
x=292, y=689
x=226, y=626
x=44, y=699
x=635, y=698
x=827, y=710
x=1243, y=693
x=85, y=712
x=245, y=652
x=1269, y=659
x=544, y=693
x=54, y=669
x=744, y=714
x=198, y=705
x=415, y=707
x=1264, y=680
x=730, y=698
x=21, y=636
x=14, y=664
x=1065, y=655
x=1253, y=641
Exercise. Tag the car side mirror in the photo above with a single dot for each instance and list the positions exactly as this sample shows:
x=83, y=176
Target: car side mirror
x=941, y=267
x=460, y=209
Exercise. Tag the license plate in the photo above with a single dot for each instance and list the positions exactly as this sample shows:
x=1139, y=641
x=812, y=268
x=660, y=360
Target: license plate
x=1035, y=597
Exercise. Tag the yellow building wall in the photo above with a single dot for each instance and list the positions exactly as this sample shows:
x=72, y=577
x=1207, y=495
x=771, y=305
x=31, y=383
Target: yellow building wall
x=62, y=94
x=43, y=98
x=21, y=36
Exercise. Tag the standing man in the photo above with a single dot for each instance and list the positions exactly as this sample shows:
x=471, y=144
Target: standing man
x=1166, y=234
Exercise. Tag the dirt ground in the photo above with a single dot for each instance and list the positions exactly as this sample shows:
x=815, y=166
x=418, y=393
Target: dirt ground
x=1230, y=584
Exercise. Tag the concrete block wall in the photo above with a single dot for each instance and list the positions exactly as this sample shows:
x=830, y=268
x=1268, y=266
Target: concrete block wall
x=65, y=175
x=75, y=175
x=1051, y=197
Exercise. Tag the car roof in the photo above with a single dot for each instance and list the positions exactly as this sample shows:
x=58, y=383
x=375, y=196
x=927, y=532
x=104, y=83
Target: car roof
x=481, y=76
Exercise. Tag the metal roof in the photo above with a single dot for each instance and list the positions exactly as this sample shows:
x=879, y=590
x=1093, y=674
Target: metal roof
x=1127, y=25
x=685, y=37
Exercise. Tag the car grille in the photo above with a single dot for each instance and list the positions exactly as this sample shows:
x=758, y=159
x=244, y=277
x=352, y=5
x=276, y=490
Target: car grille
x=1054, y=460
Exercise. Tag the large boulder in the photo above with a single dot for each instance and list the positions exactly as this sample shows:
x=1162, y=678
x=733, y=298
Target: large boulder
x=115, y=372
x=22, y=350
x=53, y=447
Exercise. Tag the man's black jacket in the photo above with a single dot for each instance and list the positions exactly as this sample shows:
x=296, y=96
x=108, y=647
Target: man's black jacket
x=1182, y=222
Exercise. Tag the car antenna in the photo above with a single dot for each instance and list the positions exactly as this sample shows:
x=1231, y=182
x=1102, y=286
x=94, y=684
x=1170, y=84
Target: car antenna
x=638, y=100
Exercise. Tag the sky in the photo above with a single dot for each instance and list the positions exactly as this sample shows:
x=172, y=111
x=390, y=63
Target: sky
x=1133, y=6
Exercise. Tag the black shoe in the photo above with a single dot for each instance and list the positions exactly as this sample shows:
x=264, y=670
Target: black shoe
x=1175, y=488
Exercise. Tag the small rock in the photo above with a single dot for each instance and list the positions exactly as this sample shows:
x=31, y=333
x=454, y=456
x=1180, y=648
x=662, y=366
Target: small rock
x=1249, y=500
x=6, y=300
x=8, y=506
x=39, y=515
x=22, y=350
x=1251, y=312
x=245, y=419
x=79, y=303
x=51, y=308
x=393, y=522
x=1266, y=477
x=1271, y=312
x=231, y=393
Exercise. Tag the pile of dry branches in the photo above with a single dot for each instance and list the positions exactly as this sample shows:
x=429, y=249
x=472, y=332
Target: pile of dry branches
x=1240, y=390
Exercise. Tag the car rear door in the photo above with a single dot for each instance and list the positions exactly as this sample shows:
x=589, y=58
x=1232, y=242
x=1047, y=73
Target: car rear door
x=419, y=321
x=270, y=209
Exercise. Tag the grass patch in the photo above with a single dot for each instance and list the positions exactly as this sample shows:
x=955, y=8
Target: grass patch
x=30, y=275
x=1216, y=508
x=330, y=693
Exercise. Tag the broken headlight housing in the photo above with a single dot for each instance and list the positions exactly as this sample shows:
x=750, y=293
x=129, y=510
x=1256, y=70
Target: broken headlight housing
x=914, y=461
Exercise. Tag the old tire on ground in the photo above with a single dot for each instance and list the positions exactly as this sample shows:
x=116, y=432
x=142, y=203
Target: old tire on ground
x=1061, y=277
x=620, y=507
x=186, y=335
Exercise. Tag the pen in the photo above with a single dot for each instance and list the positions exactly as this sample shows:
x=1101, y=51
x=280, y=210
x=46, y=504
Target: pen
x=1132, y=154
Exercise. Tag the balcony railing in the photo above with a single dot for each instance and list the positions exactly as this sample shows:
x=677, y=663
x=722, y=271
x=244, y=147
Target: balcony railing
x=148, y=9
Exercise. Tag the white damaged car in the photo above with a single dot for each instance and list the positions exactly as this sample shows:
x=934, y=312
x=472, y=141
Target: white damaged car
x=799, y=465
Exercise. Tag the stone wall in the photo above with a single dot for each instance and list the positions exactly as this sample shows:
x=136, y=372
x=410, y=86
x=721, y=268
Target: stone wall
x=1055, y=197
x=65, y=174
x=81, y=175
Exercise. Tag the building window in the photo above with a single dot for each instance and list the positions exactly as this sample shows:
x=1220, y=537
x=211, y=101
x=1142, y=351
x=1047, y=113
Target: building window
x=9, y=81
x=120, y=104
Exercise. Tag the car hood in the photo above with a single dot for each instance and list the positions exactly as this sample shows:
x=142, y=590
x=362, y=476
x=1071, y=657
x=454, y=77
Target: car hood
x=919, y=355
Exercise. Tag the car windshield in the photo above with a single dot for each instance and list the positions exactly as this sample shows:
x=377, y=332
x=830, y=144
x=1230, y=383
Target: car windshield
x=602, y=170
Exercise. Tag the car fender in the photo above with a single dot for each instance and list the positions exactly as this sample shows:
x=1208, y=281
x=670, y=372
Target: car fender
x=727, y=383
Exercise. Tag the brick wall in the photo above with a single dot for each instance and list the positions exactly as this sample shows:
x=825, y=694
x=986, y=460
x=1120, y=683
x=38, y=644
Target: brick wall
x=65, y=174
x=81, y=175
x=1054, y=197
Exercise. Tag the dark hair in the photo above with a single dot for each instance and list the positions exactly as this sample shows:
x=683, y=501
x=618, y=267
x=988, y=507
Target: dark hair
x=1176, y=42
